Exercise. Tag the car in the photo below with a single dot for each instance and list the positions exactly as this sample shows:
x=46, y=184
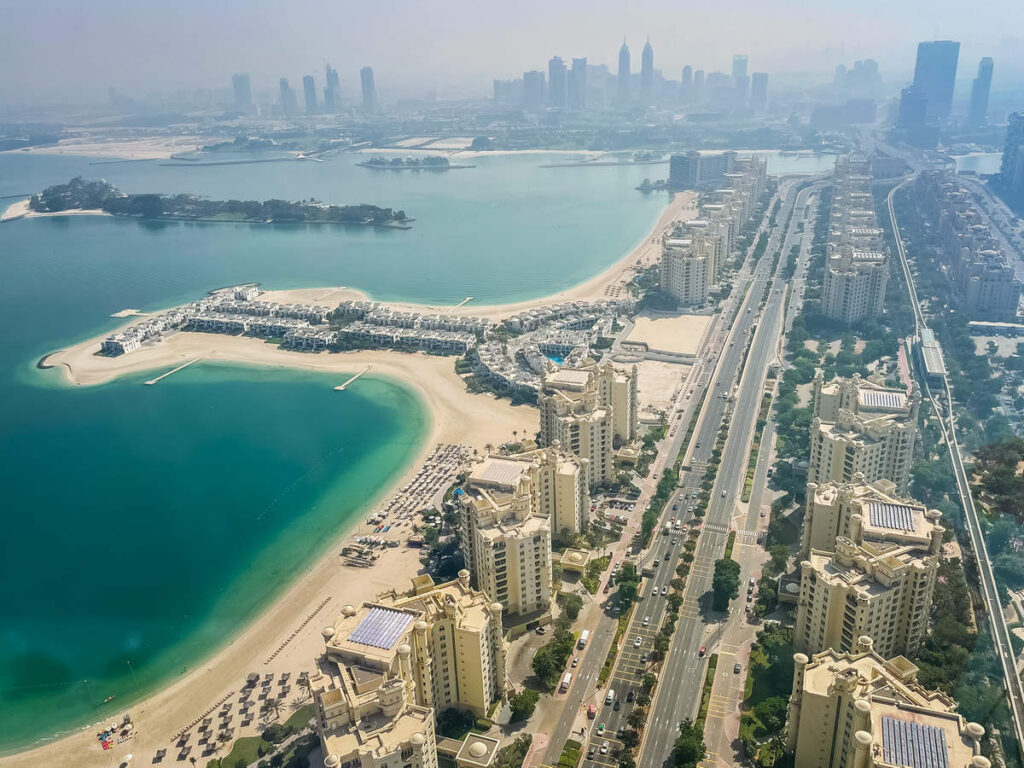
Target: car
x=600, y=728
x=674, y=541
x=591, y=712
x=630, y=695
x=732, y=343
x=664, y=591
x=752, y=581
x=697, y=444
x=637, y=642
x=590, y=753
x=654, y=592
x=656, y=563
x=762, y=513
x=575, y=661
x=668, y=554
x=675, y=506
x=643, y=658
x=702, y=651
x=604, y=747
x=723, y=494
x=618, y=705
x=542, y=631
x=647, y=620
x=750, y=596
x=736, y=668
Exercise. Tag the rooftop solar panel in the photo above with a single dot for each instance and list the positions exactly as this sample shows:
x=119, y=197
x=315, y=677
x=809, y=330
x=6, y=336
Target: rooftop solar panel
x=913, y=745
x=381, y=628
x=874, y=398
x=897, y=517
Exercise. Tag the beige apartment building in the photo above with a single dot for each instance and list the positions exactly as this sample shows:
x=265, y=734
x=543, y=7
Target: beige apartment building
x=831, y=508
x=856, y=710
x=506, y=542
x=578, y=408
x=857, y=266
x=862, y=427
x=687, y=268
x=878, y=581
x=401, y=659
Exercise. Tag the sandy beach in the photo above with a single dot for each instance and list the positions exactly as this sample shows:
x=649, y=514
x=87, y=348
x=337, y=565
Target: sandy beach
x=156, y=148
x=456, y=417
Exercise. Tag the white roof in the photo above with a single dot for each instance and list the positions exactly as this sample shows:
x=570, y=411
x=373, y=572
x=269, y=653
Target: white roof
x=496, y=471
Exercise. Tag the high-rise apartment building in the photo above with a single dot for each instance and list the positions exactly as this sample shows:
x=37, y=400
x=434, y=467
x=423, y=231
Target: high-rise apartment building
x=686, y=85
x=509, y=508
x=533, y=90
x=587, y=410
x=647, y=72
x=557, y=86
x=692, y=169
x=624, y=75
x=935, y=75
x=739, y=67
x=878, y=581
x=862, y=427
x=977, y=110
x=857, y=710
x=243, y=92
x=443, y=642
x=686, y=267
x=835, y=509
x=309, y=92
x=759, y=91
x=369, y=89
x=576, y=98
x=332, y=91
x=857, y=269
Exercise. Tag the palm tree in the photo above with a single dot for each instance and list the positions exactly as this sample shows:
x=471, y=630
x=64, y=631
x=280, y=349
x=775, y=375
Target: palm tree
x=272, y=705
x=192, y=760
x=306, y=685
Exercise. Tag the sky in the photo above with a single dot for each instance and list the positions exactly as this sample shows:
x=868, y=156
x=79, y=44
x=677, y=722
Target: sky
x=70, y=51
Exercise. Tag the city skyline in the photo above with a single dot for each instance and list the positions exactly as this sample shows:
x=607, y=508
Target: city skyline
x=208, y=53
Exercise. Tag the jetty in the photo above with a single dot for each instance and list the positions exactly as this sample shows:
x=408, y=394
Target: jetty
x=151, y=382
x=461, y=303
x=340, y=387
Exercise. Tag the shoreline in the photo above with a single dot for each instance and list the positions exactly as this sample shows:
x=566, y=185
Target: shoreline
x=455, y=416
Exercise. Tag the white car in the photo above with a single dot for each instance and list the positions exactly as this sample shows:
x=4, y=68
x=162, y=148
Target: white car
x=637, y=642
x=647, y=620
x=604, y=747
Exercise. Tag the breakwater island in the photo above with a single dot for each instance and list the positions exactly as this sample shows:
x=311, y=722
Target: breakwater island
x=412, y=163
x=101, y=197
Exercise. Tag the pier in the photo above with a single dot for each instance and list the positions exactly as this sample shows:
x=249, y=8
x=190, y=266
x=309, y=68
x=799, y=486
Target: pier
x=461, y=303
x=340, y=387
x=151, y=382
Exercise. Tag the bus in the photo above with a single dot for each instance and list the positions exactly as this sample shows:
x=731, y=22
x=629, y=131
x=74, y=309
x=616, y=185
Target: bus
x=566, y=682
x=584, y=636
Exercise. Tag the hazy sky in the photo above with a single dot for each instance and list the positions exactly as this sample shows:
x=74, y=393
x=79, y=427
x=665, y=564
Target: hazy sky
x=73, y=51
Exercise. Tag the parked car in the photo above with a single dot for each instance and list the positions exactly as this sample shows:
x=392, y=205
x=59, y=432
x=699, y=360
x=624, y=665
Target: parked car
x=736, y=668
x=637, y=642
x=702, y=651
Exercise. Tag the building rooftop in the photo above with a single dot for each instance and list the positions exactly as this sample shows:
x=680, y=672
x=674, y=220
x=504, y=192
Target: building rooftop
x=496, y=471
x=882, y=398
x=569, y=378
x=898, y=517
x=914, y=745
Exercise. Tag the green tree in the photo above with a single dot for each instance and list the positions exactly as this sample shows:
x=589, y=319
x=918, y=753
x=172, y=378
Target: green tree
x=689, y=748
x=523, y=704
x=725, y=583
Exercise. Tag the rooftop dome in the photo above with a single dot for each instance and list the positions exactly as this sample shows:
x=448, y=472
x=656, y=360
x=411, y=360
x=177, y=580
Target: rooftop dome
x=478, y=749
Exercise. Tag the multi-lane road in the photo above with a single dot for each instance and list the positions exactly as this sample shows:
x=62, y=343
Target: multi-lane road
x=678, y=693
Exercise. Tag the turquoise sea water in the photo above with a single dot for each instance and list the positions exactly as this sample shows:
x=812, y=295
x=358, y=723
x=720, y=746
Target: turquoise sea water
x=144, y=525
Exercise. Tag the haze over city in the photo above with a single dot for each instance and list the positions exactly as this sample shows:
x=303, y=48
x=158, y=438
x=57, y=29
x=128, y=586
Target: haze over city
x=55, y=51
x=524, y=385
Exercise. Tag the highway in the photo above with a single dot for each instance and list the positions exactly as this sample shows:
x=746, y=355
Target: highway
x=583, y=690
x=943, y=400
x=678, y=693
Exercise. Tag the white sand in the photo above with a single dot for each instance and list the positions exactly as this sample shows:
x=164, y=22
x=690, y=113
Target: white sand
x=156, y=148
x=457, y=417
x=18, y=210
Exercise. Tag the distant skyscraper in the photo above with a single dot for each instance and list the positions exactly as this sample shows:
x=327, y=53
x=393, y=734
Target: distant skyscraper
x=533, y=90
x=759, y=91
x=698, y=86
x=577, y=97
x=1011, y=172
x=935, y=75
x=243, y=92
x=739, y=66
x=289, y=102
x=369, y=89
x=647, y=72
x=624, y=73
x=331, y=91
x=556, y=83
x=913, y=107
x=309, y=91
x=686, y=85
x=978, y=109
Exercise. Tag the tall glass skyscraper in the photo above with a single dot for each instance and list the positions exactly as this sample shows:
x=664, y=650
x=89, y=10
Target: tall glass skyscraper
x=624, y=73
x=935, y=75
x=978, y=109
x=369, y=89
